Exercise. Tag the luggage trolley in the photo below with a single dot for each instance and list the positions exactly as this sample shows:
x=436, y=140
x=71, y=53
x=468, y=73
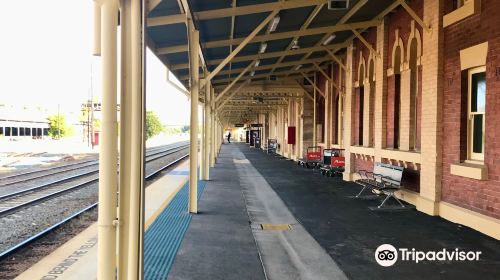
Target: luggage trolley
x=313, y=157
x=333, y=162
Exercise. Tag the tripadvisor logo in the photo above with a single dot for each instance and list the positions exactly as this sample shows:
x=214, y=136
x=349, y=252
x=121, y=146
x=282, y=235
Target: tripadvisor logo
x=387, y=255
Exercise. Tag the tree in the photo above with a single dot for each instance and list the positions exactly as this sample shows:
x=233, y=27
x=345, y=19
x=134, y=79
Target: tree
x=153, y=125
x=58, y=126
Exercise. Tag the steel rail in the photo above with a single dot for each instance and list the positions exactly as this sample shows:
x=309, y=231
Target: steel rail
x=84, y=163
x=71, y=188
x=49, y=229
x=168, y=152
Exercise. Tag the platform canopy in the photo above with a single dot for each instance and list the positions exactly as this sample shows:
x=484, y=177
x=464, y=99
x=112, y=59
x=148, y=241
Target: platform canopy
x=249, y=45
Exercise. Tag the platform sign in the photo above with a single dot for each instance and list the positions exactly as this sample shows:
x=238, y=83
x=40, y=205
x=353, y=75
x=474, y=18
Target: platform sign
x=313, y=156
x=256, y=125
x=291, y=135
x=338, y=161
x=239, y=125
x=327, y=156
x=272, y=145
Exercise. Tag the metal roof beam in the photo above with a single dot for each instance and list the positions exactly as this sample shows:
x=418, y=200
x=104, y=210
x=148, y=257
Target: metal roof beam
x=165, y=20
x=231, y=96
x=241, y=45
x=238, y=11
x=269, y=66
x=414, y=15
x=276, y=36
x=266, y=55
x=151, y=4
x=277, y=74
x=363, y=40
x=305, y=25
x=325, y=75
x=313, y=84
x=342, y=21
x=339, y=62
x=234, y=81
x=306, y=92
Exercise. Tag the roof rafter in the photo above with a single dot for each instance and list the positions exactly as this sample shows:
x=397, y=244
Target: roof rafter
x=266, y=55
x=269, y=66
x=275, y=36
x=238, y=11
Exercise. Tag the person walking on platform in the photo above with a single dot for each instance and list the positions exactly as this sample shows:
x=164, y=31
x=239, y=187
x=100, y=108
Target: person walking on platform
x=229, y=137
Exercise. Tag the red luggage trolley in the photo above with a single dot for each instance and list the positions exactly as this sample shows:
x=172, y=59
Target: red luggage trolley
x=313, y=157
x=333, y=162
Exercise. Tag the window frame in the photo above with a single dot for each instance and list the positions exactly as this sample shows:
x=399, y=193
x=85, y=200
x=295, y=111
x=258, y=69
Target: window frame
x=470, y=125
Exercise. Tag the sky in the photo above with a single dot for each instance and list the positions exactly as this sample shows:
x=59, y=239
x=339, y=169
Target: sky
x=45, y=60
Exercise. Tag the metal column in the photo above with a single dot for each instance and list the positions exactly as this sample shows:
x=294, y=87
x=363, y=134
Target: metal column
x=125, y=139
x=194, y=36
x=108, y=157
x=207, y=130
x=315, y=137
x=137, y=112
x=212, y=128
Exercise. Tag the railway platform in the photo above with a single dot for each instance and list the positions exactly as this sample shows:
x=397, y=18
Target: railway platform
x=261, y=217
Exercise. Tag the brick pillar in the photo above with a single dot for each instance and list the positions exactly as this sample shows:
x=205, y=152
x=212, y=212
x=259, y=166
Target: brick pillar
x=432, y=104
x=405, y=111
x=307, y=125
x=381, y=88
x=349, y=115
x=367, y=108
x=328, y=112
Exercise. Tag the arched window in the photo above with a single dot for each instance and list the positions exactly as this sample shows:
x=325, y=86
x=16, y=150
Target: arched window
x=397, y=95
x=413, y=58
x=360, y=100
x=371, y=85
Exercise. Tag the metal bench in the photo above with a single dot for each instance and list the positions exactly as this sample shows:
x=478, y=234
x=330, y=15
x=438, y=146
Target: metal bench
x=384, y=180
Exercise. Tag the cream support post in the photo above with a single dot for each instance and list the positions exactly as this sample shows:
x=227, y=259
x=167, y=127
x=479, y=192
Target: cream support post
x=125, y=141
x=206, y=142
x=136, y=216
x=194, y=39
x=108, y=157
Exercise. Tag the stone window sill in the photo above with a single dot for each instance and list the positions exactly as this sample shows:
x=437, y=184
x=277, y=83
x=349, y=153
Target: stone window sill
x=409, y=156
x=467, y=169
x=362, y=150
x=468, y=9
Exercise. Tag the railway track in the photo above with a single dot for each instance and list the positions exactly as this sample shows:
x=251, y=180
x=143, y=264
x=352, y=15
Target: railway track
x=13, y=202
x=78, y=213
x=38, y=174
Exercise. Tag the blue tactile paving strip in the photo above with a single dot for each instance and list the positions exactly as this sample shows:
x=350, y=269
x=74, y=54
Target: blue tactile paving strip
x=179, y=172
x=164, y=236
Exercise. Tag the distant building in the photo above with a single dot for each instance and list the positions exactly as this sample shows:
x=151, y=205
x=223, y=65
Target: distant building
x=17, y=122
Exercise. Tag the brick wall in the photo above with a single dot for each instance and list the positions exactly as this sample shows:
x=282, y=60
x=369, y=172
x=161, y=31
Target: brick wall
x=400, y=20
x=479, y=196
x=361, y=163
x=389, y=136
x=371, y=37
x=307, y=125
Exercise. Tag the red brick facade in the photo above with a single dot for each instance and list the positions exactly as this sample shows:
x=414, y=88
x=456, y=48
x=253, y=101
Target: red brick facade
x=479, y=196
x=476, y=195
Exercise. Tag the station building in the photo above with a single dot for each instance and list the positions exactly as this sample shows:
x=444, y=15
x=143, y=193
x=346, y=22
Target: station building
x=18, y=123
x=406, y=92
x=409, y=83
